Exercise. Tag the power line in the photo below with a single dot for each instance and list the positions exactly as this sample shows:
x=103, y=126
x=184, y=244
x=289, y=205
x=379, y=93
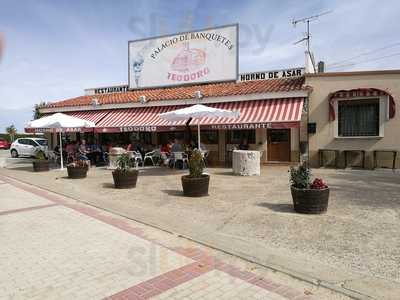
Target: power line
x=365, y=61
x=365, y=54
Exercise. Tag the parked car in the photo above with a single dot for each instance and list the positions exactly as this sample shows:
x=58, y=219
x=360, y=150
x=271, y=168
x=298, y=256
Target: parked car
x=28, y=146
x=4, y=144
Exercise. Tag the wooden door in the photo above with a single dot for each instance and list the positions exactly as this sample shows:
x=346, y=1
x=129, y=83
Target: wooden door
x=278, y=145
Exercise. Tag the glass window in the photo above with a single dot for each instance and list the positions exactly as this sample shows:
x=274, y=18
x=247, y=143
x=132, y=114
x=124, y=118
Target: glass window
x=279, y=135
x=23, y=142
x=145, y=137
x=124, y=138
x=358, y=118
x=32, y=143
x=165, y=137
x=42, y=142
x=237, y=136
x=207, y=136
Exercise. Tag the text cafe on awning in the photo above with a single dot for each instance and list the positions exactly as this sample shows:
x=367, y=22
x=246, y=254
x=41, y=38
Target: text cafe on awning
x=172, y=72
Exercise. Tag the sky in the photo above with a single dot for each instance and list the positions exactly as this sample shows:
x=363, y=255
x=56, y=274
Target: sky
x=53, y=50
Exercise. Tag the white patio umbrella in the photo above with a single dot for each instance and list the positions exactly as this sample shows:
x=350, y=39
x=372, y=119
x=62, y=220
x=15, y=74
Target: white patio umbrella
x=197, y=112
x=59, y=121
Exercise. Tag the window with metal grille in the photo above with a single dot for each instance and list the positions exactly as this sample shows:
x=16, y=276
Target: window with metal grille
x=358, y=118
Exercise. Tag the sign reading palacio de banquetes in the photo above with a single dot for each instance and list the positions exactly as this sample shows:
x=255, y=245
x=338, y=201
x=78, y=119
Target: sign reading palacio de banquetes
x=193, y=57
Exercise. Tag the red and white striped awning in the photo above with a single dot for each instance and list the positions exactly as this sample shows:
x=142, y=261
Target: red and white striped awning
x=94, y=116
x=357, y=94
x=89, y=115
x=271, y=113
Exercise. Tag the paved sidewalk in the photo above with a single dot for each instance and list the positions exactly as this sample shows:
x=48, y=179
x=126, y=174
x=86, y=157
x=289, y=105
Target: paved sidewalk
x=56, y=248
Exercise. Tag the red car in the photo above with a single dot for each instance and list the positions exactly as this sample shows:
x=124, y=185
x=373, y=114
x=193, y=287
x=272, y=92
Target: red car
x=4, y=144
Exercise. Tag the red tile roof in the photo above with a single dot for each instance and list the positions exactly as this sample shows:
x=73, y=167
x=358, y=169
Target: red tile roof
x=187, y=92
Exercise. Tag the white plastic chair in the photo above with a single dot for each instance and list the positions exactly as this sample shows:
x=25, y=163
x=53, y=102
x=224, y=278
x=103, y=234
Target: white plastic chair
x=151, y=156
x=136, y=157
x=180, y=156
x=164, y=160
x=51, y=155
x=205, y=153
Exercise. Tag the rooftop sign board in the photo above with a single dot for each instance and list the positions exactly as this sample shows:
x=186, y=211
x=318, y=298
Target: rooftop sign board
x=276, y=74
x=107, y=90
x=208, y=55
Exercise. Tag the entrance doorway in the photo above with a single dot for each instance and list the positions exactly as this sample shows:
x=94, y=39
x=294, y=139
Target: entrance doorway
x=278, y=145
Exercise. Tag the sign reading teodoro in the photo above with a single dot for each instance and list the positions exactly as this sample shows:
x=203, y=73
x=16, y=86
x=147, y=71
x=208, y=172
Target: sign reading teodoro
x=193, y=57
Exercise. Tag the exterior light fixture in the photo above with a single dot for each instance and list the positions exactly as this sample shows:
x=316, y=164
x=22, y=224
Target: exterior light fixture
x=142, y=99
x=198, y=95
x=95, y=102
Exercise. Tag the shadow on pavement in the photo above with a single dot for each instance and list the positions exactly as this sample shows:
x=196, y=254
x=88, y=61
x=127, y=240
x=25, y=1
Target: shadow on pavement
x=173, y=192
x=225, y=173
x=277, y=207
x=108, y=185
x=24, y=168
x=158, y=171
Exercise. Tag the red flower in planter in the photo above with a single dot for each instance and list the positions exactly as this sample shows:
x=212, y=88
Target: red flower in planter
x=318, y=184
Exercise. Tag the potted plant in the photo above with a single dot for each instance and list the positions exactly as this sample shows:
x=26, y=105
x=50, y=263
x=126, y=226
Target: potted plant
x=77, y=169
x=308, y=198
x=196, y=183
x=124, y=176
x=40, y=164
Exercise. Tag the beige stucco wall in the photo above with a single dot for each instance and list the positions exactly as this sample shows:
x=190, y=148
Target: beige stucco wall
x=261, y=145
x=319, y=112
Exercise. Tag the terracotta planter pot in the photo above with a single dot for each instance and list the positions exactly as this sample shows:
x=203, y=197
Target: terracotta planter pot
x=310, y=201
x=125, y=179
x=195, y=187
x=77, y=172
x=41, y=165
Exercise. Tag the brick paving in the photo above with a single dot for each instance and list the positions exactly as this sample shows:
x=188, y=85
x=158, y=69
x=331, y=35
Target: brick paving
x=20, y=200
x=57, y=249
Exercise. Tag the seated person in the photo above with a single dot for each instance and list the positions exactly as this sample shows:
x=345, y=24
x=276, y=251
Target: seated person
x=96, y=153
x=57, y=150
x=83, y=152
x=70, y=150
x=176, y=146
x=202, y=147
x=244, y=145
x=165, y=148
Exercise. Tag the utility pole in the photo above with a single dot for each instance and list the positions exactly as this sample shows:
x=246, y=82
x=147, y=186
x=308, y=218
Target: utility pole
x=309, y=58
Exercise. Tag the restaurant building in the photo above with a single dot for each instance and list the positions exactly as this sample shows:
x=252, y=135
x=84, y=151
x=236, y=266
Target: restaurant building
x=340, y=119
x=270, y=114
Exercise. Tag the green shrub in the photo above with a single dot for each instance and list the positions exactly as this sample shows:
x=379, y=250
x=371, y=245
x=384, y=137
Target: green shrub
x=124, y=162
x=196, y=164
x=300, y=176
x=39, y=154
